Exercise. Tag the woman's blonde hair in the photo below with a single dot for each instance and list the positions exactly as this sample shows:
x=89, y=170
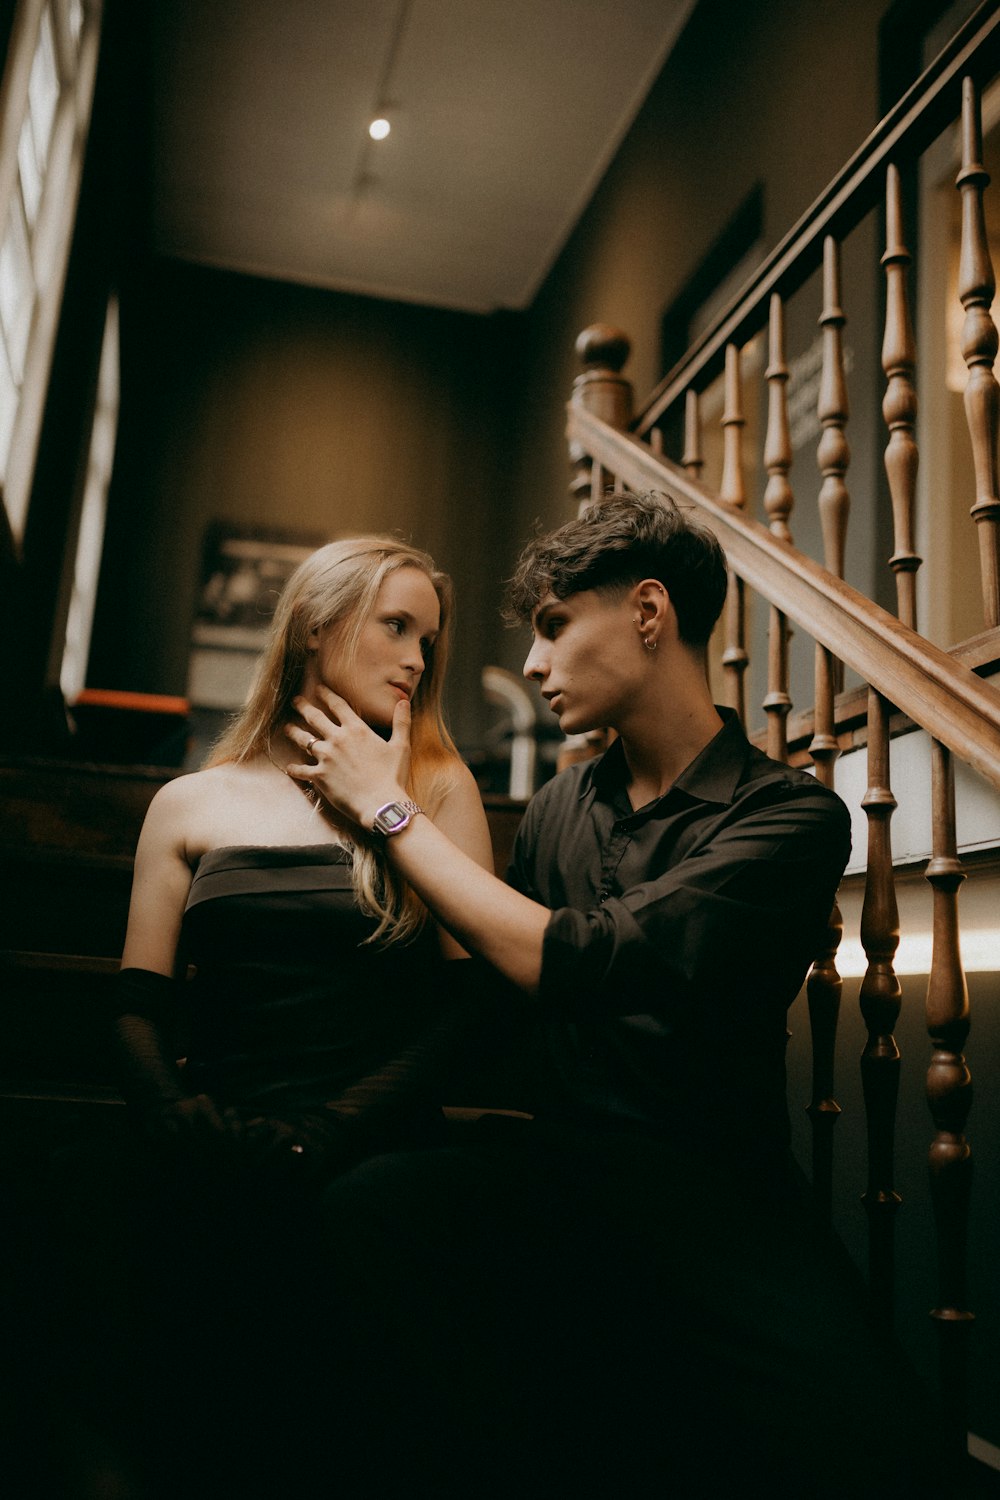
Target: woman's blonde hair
x=340, y=583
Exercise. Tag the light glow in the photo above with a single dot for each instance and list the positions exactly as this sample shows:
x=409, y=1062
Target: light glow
x=379, y=129
x=980, y=953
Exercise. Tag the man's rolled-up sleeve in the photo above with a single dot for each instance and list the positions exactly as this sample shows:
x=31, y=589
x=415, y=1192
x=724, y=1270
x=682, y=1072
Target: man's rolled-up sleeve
x=747, y=909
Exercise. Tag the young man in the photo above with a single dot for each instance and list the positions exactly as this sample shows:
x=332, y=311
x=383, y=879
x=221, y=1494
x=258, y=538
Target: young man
x=643, y=1300
x=666, y=900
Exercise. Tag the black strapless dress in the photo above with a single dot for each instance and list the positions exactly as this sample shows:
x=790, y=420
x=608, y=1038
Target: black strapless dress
x=289, y=1005
x=199, y=1316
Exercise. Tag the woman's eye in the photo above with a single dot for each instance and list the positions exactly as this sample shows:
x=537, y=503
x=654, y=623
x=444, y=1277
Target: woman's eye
x=396, y=625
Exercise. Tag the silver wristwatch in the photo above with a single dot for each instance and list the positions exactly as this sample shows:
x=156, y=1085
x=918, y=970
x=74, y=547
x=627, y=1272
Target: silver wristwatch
x=394, y=817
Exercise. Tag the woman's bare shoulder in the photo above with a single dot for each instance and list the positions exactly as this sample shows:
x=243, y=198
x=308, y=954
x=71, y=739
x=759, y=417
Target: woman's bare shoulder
x=187, y=799
x=459, y=813
x=453, y=782
x=196, y=788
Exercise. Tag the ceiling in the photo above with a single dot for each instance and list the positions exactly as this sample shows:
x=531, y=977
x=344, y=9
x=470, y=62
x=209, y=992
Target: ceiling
x=504, y=115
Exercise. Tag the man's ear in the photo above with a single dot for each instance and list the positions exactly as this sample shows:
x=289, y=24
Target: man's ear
x=652, y=604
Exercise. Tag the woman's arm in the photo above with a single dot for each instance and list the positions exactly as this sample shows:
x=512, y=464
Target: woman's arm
x=461, y=818
x=160, y=884
x=146, y=1020
x=358, y=772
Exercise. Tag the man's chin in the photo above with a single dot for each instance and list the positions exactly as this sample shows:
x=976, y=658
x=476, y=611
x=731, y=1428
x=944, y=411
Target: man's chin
x=571, y=723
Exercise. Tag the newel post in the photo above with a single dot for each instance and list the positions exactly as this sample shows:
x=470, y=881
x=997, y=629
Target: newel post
x=603, y=390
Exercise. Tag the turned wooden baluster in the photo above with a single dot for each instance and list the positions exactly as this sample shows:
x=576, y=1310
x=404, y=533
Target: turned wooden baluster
x=899, y=406
x=603, y=390
x=733, y=489
x=833, y=455
x=778, y=502
x=880, y=1003
x=824, y=985
x=949, y=1085
x=692, y=461
x=976, y=286
x=880, y=990
x=949, y=1094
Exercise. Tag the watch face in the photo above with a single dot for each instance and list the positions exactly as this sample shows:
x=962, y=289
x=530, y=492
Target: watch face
x=394, y=816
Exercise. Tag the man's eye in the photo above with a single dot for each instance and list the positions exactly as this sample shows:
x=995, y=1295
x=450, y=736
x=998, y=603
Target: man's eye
x=553, y=626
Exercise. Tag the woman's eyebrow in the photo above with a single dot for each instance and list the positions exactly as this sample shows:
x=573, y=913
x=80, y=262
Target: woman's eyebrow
x=404, y=614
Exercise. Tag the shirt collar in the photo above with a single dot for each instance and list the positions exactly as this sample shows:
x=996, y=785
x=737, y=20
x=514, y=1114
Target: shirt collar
x=712, y=776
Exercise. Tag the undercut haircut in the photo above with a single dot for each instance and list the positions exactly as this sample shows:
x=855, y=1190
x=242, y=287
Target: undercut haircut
x=617, y=542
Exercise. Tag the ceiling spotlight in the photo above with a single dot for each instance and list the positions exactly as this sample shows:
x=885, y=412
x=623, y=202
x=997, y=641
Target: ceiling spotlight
x=379, y=129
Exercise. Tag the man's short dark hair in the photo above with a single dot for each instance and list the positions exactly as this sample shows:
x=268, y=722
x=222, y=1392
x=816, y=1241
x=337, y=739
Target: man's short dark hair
x=616, y=543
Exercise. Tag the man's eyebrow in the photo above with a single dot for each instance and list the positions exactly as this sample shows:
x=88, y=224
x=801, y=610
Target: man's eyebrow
x=546, y=605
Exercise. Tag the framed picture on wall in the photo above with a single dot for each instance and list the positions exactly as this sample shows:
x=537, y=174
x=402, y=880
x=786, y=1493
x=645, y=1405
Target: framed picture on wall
x=243, y=573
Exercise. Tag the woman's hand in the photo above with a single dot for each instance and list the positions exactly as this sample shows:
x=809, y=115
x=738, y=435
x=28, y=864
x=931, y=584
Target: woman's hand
x=308, y=1144
x=352, y=767
x=186, y=1123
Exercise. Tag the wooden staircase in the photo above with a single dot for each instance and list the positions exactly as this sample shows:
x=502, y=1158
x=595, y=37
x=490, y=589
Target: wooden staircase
x=903, y=682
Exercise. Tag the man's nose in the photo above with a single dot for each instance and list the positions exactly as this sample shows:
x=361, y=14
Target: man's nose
x=534, y=664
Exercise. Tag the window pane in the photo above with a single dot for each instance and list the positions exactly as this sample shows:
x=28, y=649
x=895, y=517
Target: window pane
x=27, y=166
x=9, y=396
x=74, y=15
x=91, y=539
x=43, y=89
x=17, y=289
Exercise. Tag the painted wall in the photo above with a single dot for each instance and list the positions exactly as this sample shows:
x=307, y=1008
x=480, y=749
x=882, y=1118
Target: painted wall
x=268, y=405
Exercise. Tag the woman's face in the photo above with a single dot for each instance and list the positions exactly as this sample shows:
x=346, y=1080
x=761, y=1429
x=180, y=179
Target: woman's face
x=391, y=650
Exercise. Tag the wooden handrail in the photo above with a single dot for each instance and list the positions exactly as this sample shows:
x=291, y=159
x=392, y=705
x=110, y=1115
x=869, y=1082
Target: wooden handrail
x=927, y=684
x=924, y=111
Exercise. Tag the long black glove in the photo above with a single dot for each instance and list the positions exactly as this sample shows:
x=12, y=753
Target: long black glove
x=364, y=1118
x=143, y=1040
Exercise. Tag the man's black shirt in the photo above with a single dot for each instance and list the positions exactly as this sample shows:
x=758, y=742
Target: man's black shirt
x=680, y=934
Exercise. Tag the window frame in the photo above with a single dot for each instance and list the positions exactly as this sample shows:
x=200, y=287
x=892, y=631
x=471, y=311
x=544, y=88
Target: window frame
x=51, y=232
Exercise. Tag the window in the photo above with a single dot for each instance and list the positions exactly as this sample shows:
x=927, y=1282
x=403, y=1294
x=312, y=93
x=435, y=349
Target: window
x=44, y=109
x=90, y=539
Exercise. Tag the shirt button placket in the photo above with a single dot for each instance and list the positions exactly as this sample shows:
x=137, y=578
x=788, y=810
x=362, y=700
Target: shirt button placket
x=616, y=845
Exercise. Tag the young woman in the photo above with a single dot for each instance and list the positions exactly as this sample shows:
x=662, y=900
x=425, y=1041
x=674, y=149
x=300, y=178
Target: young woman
x=311, y=957
x=271, y=942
